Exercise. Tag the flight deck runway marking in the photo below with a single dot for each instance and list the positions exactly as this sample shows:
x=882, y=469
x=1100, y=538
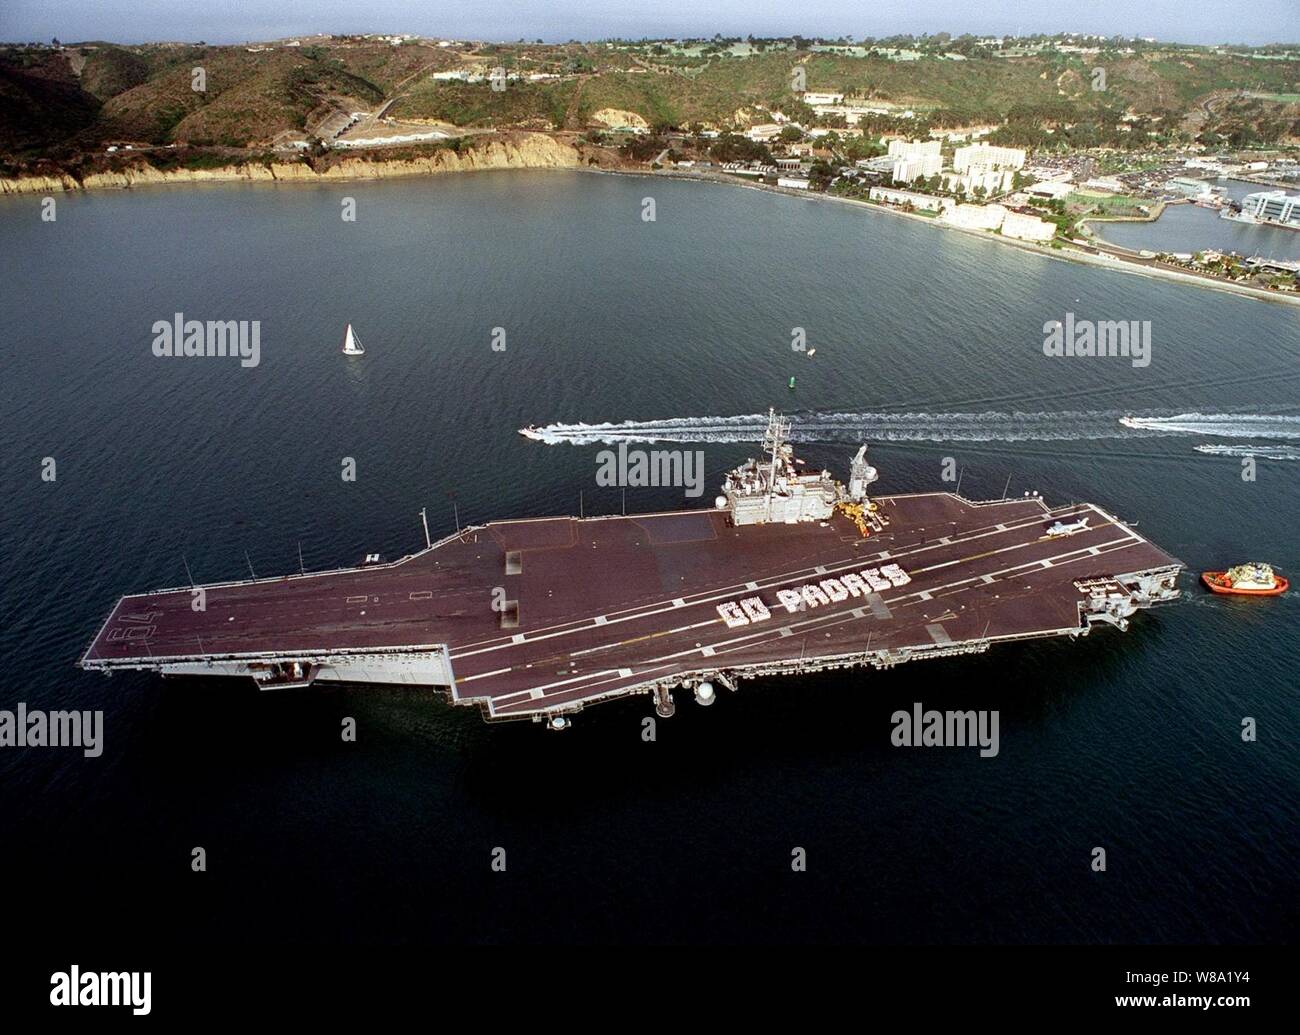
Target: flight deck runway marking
x=836, y=617
x=722, y=593
x=484, y=675
x=638, y=639
x=962, y=585
x=1047, y=562
x=588, y=688
x=572, y=628
x=878, y=606
x=796, y=574
x=840, y=618
x=593, y=682
x=1006, y=549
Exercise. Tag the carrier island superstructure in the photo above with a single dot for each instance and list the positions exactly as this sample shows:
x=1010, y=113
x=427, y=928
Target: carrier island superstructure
x=791, y=572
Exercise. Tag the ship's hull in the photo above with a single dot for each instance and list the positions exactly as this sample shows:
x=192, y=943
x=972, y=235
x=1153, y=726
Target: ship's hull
x=537, y=618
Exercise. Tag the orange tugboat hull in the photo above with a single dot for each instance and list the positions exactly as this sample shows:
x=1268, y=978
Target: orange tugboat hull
x=1218, y=583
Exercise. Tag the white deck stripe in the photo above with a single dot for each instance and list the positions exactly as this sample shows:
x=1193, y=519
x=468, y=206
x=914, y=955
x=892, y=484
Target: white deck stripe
x=855, y=563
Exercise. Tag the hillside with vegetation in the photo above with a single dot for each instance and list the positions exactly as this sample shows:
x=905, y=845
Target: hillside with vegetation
x=61, y=102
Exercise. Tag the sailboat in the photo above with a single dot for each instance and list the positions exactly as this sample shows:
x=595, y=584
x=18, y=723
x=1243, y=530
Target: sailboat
x=352, y=344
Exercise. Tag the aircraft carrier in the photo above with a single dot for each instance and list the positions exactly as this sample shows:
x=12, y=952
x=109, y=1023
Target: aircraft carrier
x=791, y=572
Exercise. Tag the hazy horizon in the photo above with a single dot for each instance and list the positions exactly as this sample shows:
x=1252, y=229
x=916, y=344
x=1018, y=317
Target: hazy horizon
x=1254, y=22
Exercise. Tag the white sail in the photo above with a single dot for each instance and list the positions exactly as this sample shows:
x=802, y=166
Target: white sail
x=352, y=344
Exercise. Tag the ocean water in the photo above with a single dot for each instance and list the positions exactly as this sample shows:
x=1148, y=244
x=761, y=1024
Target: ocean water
x=929, y=345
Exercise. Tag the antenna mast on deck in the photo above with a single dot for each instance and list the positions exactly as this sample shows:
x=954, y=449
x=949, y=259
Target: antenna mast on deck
x=778, y=431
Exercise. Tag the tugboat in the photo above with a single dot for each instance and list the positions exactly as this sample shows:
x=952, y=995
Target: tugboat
x=1250, y=580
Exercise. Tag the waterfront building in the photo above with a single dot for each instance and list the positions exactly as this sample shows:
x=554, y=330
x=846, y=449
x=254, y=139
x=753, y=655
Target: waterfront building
x=975, y=217
x=1272, y=206
x=1024, y=227
x=923, y=202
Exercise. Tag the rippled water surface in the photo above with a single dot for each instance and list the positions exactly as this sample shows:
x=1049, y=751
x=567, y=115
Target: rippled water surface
x=929, y=345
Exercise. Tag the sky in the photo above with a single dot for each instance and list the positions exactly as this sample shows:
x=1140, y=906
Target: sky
x=235, y=21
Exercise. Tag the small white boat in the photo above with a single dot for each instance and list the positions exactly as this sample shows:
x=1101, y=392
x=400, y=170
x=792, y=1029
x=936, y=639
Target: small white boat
x=811, y=353
x=352, y=344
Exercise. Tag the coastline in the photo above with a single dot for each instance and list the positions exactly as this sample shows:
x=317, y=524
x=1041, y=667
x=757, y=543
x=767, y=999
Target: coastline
x=1066, y=253
x=538, y=150
x=517, y=150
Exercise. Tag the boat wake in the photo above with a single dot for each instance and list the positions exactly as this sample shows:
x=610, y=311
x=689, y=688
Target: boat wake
x=1224, y=425
x=925, y=427
x=1265, y=452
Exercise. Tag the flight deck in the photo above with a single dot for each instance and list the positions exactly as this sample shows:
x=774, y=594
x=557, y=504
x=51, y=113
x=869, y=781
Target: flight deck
x=537, y=618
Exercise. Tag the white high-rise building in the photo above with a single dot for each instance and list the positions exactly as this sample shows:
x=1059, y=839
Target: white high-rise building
x=914, y=148
x=915, y=159
x=988, y=156
x=907, y=170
